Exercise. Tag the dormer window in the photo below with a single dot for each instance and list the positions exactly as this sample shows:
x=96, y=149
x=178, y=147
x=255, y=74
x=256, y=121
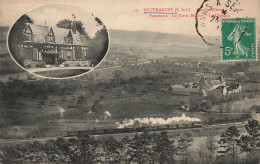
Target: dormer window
x=28, y=37
x=69, y=38
x=70, y=41
x=28, y=34
x=51, y=37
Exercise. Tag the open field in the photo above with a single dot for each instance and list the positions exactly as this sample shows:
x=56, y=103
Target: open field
x=42, y=117
x=128, y=92
x=49, y=108
x=62, y=73
x=7, y=65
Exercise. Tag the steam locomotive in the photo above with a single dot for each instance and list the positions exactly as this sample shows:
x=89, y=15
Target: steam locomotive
x=133, y=129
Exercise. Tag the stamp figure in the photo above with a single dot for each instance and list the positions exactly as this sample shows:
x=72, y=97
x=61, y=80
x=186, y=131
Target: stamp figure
x=238, y=39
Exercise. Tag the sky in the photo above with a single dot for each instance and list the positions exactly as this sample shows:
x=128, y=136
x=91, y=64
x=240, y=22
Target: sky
x=53, y=13
x=119, y=14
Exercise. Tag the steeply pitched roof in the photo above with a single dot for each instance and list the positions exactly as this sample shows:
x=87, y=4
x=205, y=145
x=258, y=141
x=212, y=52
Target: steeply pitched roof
x=177, y=86
x=78, y=38
x=181, y=88
x=215, y=82
x=60, y=34
x=40, y=32
x=206, y=83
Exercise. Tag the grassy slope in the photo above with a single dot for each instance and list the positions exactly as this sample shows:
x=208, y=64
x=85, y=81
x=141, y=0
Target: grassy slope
x=41, y=115
x=62, y=73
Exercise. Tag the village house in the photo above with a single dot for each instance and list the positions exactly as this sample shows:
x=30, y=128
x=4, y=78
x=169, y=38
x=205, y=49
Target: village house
x=222, y=90
x=207, y=84
x=49, y=45
x=233, y=88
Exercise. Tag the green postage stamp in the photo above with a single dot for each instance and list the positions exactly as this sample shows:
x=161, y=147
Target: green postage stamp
x=239, y=39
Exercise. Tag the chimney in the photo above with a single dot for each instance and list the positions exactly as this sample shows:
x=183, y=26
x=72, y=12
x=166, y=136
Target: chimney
x=46, y=30
x=73, y=24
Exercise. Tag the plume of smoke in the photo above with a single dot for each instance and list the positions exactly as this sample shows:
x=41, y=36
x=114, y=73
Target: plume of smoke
x=155, y=121
x=107, y=114
x=61, y=111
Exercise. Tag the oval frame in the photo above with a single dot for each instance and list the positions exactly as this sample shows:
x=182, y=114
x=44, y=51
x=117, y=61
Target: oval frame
x=55, y=78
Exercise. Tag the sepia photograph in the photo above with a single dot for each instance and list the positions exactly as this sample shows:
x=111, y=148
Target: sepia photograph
x=69, y=44
x=129, y=82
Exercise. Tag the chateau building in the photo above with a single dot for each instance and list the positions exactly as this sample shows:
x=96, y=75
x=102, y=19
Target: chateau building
x=48, y=45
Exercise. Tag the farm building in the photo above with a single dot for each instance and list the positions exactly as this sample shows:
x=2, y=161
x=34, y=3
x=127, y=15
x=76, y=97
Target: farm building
x=204, y=85
x=208, y=84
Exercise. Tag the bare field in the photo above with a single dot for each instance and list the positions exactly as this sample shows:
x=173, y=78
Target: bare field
x=62, y=73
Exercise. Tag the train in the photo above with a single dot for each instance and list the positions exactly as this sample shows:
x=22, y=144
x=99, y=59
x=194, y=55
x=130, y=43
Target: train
x=133, y=129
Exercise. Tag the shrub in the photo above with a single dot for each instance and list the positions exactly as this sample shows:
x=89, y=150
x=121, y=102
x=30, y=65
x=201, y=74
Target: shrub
x=61, y=60
x=29, y=66
x=48, y=61
x=40, y=65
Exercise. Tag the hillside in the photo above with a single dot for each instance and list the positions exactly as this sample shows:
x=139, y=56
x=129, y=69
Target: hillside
x=3, y=34
x=158, y=44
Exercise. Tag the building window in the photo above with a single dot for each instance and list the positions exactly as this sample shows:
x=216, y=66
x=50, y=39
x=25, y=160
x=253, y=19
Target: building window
x=28, y=37
x=70, y=41
x=28, y=53
x=69, y=55
x=51, y=39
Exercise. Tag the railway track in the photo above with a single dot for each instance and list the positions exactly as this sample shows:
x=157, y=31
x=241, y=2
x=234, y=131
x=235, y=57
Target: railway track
x=151, y=128
x=123, y=131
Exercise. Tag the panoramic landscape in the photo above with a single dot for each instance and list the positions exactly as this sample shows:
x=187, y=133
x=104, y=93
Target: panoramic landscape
x=155, y=98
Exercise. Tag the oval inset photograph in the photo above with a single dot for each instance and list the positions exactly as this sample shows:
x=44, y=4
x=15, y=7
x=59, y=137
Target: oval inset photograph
x=58, y=41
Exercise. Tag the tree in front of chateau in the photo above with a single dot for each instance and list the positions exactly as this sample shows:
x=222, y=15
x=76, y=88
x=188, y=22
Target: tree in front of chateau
x=99, y=43
x=229, y=144
x=183, y=148
x=66, y=23
x=17, y=36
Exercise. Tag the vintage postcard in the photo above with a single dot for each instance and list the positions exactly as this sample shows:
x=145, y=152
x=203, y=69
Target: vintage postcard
x=129, y=81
